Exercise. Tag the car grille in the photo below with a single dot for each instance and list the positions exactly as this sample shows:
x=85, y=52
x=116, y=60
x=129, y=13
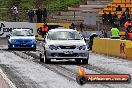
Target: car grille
x=23, y=46
x=23, y=41
x=64, y=55
x=68, y=47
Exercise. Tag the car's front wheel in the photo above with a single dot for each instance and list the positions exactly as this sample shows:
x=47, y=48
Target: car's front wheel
x=85, y=61
x=9, y=48
x=47, y=61
x=40, y=57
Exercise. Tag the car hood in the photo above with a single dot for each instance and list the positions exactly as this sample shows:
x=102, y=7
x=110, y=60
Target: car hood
x=22, y=37
x=66, y=42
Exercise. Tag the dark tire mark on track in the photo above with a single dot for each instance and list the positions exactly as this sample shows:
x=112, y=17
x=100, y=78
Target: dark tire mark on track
x=55, y=68
x=65, y=72
x=16, y=78
x=19, y=83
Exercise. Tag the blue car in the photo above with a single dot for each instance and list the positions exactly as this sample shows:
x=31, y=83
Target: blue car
x=21, y=38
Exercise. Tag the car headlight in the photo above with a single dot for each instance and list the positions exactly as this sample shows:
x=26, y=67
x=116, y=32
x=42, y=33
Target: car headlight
x=13, y=40
x=83, y=47
x=53, y=47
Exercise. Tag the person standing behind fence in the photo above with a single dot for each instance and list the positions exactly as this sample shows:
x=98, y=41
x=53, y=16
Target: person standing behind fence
x=31, y=15
x=118, y=8
x=81, y=26
x=122, y=19
x=39, y=15
x=115, y=18
x=44, y=15
x=110, y=21
x=14, y=12
x=104, y=18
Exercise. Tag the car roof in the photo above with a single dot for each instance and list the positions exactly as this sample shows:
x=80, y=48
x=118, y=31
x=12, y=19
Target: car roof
x=61, y=29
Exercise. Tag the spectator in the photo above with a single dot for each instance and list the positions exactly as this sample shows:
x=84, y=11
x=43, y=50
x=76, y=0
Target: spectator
x=115, y=18
x=123, y=18
x=115, y=31
x=127, y=10
x=81, y=26
x=128, y=29
x=44, y=15
x=14, y=12
x=110, y=21
x=128, y=33
x=72, y=26
x=31, y=15
x=39, y=15
x=45, y=29
x=92, y=36
x=127, y=24
x=104, y=18
x=104, y=33
x=119, y=8
x=127, y=16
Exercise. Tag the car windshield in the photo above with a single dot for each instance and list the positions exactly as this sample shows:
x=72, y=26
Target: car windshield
x=64, y=35
x=22, y=33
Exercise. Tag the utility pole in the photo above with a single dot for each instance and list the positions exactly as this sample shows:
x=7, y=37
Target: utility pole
x=74, y=17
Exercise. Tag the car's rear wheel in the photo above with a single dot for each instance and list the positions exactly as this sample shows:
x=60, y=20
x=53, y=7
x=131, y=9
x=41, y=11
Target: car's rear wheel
x=47, y=61
x=78, y=61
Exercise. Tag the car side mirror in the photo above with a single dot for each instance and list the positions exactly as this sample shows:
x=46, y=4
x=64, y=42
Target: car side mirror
x=7, y=36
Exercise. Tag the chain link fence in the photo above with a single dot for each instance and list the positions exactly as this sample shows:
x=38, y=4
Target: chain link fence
x=5, y=15
x=56, y=16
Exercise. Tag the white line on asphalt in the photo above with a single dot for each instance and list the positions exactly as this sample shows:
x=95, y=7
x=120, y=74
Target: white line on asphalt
x=11, y=85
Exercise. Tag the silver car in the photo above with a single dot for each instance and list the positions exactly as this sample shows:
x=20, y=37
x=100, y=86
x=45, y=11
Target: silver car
x=64, y=44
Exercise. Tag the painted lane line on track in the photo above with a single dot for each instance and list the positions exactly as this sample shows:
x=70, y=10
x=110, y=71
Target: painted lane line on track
x=7, y=80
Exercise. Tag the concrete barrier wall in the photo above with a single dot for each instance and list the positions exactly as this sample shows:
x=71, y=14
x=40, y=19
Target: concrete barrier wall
x=129, y=53
x=113, y=47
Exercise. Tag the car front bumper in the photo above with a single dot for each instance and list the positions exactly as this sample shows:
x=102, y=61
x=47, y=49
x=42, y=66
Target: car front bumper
x=20, y=45
x=62, y=54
